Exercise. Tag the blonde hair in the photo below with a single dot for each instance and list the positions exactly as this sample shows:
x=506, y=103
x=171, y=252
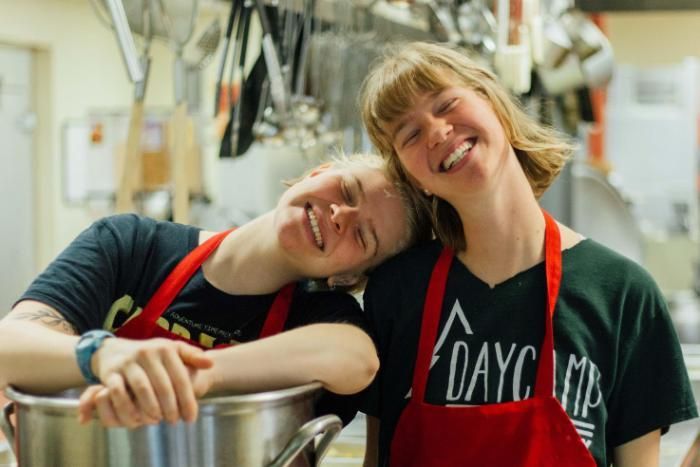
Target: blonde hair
x=410, y=70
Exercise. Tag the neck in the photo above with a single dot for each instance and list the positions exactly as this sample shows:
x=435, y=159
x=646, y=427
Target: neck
x=504, y=231
x=249, y=261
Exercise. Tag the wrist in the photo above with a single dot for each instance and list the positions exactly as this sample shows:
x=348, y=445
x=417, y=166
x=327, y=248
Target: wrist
x=86, y=348
x=215, y=380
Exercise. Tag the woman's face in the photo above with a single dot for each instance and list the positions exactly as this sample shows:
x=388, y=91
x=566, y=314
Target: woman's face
x=451, y=142
x=340, y=220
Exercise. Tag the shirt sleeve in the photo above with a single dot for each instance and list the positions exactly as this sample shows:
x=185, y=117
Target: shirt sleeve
x=325, y=307
x=82, y=281
x=652, y=388
x=328, y=307
x=370, y=397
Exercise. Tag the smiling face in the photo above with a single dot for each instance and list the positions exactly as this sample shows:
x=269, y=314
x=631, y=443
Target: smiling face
x=340, y=220
x=451, y=142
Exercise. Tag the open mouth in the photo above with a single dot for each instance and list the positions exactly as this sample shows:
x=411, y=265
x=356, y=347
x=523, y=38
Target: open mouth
x=458, y=154
x=315, y=229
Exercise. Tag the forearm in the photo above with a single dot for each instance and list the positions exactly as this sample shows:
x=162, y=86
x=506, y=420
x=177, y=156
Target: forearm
x=342, y=357
x=37, y=351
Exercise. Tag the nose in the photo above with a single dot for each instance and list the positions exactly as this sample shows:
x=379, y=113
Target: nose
x=438, y=131
x=343, y=216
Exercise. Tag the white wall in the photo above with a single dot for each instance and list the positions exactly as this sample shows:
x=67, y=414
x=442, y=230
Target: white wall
x=654, y=38
x=78, y=68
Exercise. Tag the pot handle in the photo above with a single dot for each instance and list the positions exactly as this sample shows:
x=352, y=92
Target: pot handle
x=6, y=424
x=329, y=425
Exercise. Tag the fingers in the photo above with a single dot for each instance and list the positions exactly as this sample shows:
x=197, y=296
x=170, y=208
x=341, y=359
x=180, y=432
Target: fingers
x=146, y=382
x=87, y=403
x=129, y=414
x=163, y=388
x=143, y=390
x=105, y=400
x=182, y=383
x=105, y=409
x=193, y=356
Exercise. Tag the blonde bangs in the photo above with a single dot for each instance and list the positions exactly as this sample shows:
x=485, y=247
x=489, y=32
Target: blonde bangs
x=391, y=89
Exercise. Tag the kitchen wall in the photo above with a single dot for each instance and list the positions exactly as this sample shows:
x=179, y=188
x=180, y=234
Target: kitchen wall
x=78, y=68
x=654, y=38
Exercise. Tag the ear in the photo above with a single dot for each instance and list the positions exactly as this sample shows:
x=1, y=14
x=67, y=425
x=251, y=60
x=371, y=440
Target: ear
x=320, y=169
x=343, y=280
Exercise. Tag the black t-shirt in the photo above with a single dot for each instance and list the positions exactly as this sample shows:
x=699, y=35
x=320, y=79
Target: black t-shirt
x=110, y=271
x=619, y=368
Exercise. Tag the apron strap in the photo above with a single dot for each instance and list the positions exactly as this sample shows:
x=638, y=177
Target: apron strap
x=544, y=385
x=431, y=320
x=140, y=327
x=432, y=310
x=277, y=316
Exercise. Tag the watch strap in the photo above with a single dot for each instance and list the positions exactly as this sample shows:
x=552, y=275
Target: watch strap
x=86, y=347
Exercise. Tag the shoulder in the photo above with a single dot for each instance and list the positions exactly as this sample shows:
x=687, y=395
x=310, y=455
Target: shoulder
x=135, y=231
x=134, y=223
x=303, y=295
x=311, y=307
x=610, y=281
x=412, y=264
x=592, y=259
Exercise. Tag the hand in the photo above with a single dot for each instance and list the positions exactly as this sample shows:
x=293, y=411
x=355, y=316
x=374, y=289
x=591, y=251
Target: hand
x=144, y=381
x=97, y=397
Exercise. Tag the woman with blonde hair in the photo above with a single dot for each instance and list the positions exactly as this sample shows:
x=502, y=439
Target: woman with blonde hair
x=536, y=346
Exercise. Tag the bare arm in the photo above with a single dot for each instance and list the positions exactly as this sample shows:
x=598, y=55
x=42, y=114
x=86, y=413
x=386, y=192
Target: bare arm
x=372, y=444
x=37, y=349
x=37, y=354
x=640, y=452
x=342, y=357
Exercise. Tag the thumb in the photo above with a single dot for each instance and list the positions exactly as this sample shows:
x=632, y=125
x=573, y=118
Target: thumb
x=87, y=403
x=194, y=356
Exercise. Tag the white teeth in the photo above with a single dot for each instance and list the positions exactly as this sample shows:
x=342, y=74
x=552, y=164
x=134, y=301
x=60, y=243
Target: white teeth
x=314, y=227
x=457, y=155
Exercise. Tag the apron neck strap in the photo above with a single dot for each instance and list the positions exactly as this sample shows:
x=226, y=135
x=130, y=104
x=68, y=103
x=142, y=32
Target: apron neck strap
x=544, y=385
x=177, y=279
x=431, y=320
x=432, y=311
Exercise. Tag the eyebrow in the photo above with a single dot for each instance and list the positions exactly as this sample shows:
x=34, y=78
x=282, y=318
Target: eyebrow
x=398, y=129
x=404, y=122
x=372, y=230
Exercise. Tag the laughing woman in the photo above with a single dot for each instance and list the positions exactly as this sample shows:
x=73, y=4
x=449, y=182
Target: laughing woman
x=467, y=333
x=133, y=303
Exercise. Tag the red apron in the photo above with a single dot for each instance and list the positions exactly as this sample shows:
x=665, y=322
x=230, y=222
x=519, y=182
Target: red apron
x=144, y=325
x=532, y=432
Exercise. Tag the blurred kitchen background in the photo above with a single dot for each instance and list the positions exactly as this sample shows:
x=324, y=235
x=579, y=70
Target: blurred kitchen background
x=197, y=110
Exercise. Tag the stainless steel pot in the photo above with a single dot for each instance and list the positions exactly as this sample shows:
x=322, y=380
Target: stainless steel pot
x=274, y=429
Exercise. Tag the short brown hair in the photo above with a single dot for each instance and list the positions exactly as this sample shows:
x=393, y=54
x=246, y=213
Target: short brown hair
x=407, y=71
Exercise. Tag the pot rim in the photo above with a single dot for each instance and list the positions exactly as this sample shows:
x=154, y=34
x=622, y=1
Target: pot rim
x=56, y=401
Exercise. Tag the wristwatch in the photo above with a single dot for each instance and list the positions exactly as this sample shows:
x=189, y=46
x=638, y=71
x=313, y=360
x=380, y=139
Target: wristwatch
x=86, y=347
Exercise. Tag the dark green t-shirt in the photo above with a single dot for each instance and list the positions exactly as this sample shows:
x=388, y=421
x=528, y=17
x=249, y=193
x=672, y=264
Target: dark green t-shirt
x=619, y=368
x=111, y=270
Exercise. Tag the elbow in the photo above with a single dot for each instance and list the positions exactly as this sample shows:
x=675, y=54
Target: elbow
x=352, y=368
x=364, y=369
x=371, y=369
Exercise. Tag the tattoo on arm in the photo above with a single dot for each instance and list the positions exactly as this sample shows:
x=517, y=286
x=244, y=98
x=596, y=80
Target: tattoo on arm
x=46, y=317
